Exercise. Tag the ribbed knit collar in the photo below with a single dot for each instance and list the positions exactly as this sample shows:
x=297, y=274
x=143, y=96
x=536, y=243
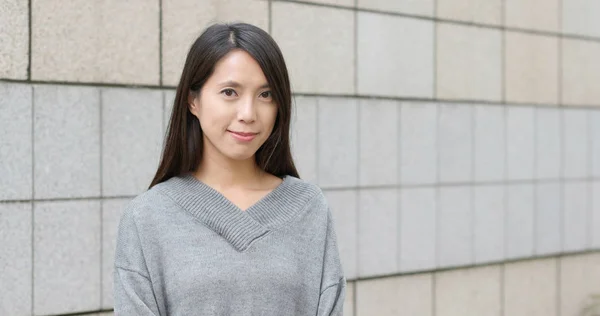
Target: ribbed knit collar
x=240, y=228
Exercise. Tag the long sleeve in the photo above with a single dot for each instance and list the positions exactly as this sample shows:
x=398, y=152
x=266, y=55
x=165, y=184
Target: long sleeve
x=133, y=292
x=333, y=282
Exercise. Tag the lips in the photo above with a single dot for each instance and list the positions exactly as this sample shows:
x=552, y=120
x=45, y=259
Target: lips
x=243, y=136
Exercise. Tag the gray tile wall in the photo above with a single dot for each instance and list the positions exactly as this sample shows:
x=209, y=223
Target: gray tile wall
x=444, y=134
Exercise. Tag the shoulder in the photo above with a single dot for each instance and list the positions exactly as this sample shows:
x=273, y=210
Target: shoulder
x=148, y=203
x=309, y=194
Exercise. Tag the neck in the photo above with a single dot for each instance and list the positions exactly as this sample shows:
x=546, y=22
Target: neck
x=222, y=172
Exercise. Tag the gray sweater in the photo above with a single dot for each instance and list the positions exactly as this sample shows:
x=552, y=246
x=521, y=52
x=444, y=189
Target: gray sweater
x=184, y=249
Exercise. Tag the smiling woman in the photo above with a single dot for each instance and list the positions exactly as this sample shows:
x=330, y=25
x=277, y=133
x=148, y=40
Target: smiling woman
x=227, y=227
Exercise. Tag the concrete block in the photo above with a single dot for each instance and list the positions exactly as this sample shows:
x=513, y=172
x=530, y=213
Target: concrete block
x=16, y=268
x=455, y=135
x=531, y=68
x=418, y=143
x=131, y=139
x=15, y=141
x=576, y=143
x=318, y=44
x=455, y=227
x=378, y=152
x=575, y=216
x=471, y=11
x=489, y=214
x=416, y=7
x=303, y=137
x=337, y=142
x=548, y=137
x=66, y=141
x=520, y=221
x=417, y=229
x=111, y=215
x=579, y=277
x=473, y=291
x=14, y=51
x=109, y=41
x=67, y=257
x=489, y=143
x=580, y=17
x=530, y=288
x=581, y=71
x=343, y=205
x=377, y=232
x=379, y=70
x=520, y=142
x=469, y=63
x=548, y=218
x=541, y=15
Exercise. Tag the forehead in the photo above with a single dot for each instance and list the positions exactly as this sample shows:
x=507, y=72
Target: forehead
x=238, y=66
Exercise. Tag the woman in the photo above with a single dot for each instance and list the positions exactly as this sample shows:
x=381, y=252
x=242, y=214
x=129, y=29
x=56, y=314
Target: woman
x=227, y=227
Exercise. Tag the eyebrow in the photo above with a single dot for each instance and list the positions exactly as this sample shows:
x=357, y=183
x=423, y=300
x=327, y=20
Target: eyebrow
x=236, y=84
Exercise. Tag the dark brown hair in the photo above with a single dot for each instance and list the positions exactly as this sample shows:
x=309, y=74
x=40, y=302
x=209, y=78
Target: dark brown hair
x=182, y=151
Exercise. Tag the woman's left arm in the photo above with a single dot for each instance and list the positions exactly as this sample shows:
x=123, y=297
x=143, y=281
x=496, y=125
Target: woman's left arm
x=333, y=282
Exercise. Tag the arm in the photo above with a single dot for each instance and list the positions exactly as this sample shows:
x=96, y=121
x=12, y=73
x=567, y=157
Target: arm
x=133, y=293
x=333, y=282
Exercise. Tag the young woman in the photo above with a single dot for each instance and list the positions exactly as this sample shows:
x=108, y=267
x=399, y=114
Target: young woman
x=227, y=227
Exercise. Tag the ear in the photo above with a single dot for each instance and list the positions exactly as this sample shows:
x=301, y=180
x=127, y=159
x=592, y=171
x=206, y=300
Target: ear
x=194, y=103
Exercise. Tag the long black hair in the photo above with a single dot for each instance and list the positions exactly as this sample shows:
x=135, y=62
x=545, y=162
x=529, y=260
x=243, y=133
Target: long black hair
x=182, y=152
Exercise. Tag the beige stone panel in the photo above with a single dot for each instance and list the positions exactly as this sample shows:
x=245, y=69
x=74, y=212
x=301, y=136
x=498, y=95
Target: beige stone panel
x=349, y=300
x=471, y=291
x=473, y=11
x=344, y=3
x=184, y=20
x=14, y=39
x=580, y=72
x=579, y=281
x=469, y=63
x=530, y=288
x=109, y=41
x=418, y=7
x=539, y=15
x=531, y=68
x=318, y=45
x=392, y=296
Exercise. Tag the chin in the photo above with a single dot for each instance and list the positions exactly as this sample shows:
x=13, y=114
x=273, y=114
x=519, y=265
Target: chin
x=240, y=155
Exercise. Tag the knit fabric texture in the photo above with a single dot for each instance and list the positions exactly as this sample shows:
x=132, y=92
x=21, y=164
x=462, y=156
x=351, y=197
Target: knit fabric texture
x=185, y=249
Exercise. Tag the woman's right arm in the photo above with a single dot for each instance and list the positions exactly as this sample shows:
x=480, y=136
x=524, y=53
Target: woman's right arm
x=133, y=292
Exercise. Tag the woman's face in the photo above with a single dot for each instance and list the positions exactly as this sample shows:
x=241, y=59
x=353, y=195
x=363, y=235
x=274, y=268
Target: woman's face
x=235, y=107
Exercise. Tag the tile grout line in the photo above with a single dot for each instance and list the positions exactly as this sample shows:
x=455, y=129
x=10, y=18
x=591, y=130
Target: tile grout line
x=505, y=158
x=534, y=188
x=358, y=193
x=437, y=171
x=399, y=191
x=160, y=43
x=270, y=15
x=32, y=200
x=355, y=46
x=473, y=211
x=101, y=138
x=30, y=9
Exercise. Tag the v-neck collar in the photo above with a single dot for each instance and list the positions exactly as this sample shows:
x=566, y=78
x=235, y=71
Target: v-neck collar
x=237, y=226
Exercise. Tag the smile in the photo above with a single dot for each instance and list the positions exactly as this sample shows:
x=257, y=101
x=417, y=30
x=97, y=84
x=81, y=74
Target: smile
x=242, y=136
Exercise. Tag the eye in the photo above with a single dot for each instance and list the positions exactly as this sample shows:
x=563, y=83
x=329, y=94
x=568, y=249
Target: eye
x=229, y=92
x=266, y=94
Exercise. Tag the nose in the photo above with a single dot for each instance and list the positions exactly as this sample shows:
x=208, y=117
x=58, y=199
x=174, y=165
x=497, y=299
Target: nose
x=247, y=111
